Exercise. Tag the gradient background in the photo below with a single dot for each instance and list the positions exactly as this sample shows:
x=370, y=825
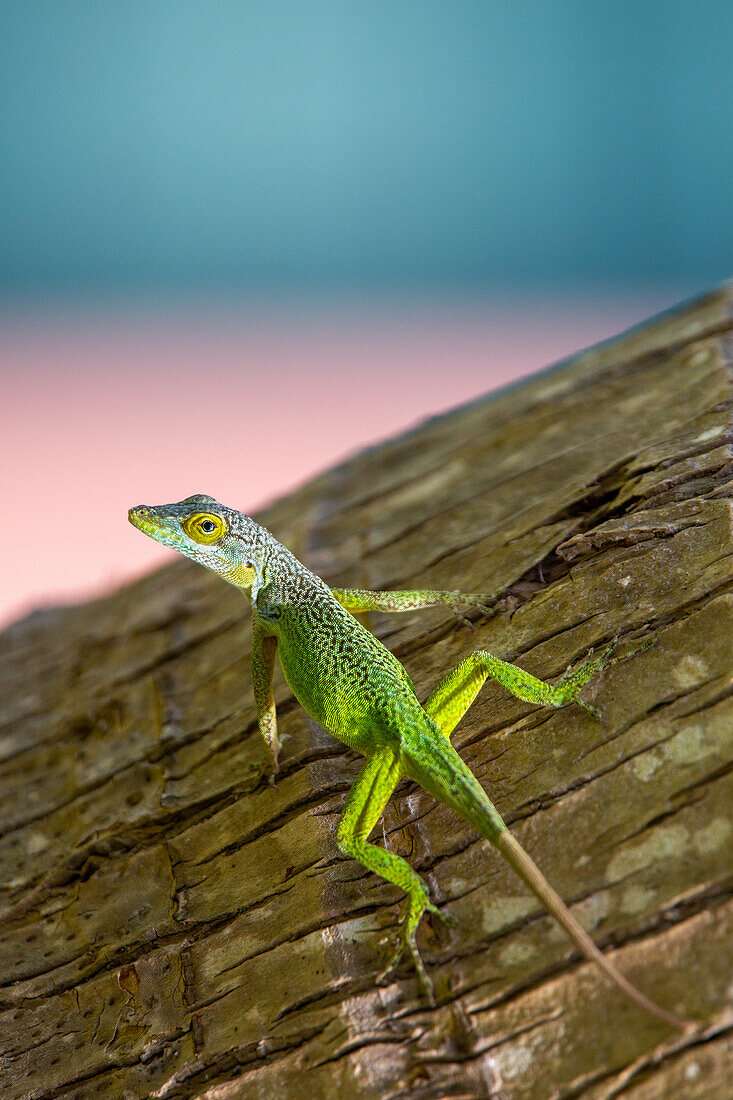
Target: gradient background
x=239, y=240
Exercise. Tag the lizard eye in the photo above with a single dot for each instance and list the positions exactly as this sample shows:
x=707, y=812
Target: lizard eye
x=204, y=527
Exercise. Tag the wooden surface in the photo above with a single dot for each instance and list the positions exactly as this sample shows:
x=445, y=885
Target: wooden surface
x=178, y=929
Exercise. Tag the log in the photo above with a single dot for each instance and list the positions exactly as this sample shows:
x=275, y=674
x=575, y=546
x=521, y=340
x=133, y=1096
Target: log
x=174, y=927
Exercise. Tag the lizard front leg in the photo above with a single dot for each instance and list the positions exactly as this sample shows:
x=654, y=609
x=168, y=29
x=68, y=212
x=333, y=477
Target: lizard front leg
x=363, y=599
x=264, y=647
x=454, y=695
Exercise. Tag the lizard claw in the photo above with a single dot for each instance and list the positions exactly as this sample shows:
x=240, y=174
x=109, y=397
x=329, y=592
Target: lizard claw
x=447, y=918
x=272, y=769
x=410, y=921
x=593, y=711
x=392, y=965
x=274, y=755
x=463, y=619
x=485, y=605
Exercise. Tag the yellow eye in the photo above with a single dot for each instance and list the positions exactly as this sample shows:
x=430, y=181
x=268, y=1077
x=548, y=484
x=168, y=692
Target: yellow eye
x=204, y=527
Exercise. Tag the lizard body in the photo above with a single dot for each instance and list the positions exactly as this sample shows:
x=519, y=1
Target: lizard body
x=354, y=687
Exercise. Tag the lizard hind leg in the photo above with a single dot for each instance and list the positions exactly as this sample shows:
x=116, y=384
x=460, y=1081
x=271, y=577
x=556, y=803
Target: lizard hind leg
x=454, y=695
x=364, y=806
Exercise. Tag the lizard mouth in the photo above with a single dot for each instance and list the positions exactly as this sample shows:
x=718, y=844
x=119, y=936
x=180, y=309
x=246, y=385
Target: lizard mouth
x=145, y=520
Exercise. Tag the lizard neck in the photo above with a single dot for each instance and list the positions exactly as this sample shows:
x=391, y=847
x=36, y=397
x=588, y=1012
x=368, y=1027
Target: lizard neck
x=252, y=569
x=283, y=579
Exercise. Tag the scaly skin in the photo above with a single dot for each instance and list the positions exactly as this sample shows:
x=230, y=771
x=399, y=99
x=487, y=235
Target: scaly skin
x=354, y=687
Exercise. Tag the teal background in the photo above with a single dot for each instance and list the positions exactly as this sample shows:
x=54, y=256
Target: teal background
x=322, y=145
x=241, y=239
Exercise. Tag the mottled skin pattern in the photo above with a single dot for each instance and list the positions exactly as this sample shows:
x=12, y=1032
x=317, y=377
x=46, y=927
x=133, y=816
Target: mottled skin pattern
x=354, y=687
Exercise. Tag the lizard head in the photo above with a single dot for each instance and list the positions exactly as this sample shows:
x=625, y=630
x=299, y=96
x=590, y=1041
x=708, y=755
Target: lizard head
x=220, y=538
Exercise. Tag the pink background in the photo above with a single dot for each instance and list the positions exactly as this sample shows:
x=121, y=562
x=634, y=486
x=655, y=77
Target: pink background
x=105, y=410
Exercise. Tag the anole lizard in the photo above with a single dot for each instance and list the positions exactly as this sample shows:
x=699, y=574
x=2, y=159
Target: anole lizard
x=355, y=688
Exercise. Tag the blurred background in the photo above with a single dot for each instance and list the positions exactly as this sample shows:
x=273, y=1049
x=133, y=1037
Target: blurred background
x=240, y=239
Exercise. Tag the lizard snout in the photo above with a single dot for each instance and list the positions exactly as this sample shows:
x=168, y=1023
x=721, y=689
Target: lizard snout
x=138, y=515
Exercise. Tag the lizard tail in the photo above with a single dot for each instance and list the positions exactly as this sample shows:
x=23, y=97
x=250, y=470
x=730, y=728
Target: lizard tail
x=435, y=765
x=528, y=870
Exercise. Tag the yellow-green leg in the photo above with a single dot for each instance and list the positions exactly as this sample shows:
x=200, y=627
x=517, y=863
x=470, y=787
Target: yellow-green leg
x=264, y=647
x=454, y=695
x=363, y=599
x=364, y=806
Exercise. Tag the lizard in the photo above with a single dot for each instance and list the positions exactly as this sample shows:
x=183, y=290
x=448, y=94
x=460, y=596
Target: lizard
x=355, y=688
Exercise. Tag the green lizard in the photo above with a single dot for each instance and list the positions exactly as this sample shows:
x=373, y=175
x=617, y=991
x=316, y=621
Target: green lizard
x=355, y=688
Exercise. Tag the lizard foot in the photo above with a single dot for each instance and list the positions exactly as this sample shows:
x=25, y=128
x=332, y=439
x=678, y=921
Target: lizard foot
x=415, y=907
x=567, y=688
x=485, y=605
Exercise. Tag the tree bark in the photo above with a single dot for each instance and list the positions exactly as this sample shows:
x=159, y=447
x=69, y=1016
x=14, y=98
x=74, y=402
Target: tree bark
x=176, y=928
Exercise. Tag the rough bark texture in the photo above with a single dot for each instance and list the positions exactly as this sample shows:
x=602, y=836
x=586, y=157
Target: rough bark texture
x=179, y=929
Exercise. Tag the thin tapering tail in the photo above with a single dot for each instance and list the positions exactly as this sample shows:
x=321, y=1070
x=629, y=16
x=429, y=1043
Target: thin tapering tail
x=435, y=765
x=528, y=870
